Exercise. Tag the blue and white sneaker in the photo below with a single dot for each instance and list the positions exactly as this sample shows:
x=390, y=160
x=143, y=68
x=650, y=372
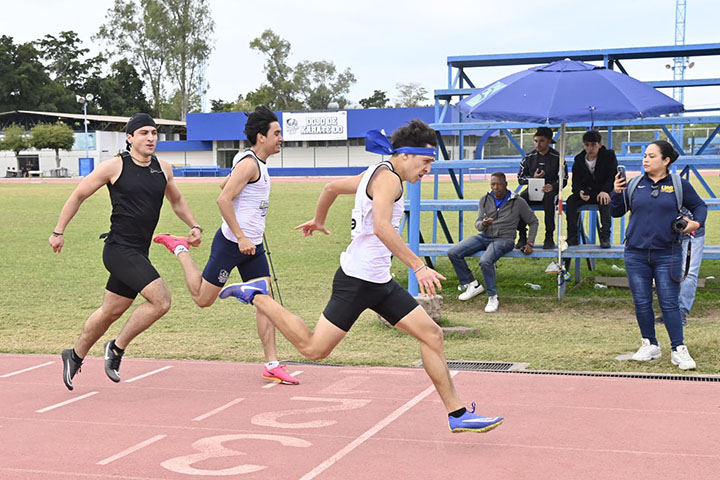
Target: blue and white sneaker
x=469, y=422
x=245, y=292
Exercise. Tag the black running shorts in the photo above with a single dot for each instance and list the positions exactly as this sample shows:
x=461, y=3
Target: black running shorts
x=351, y=296
x=130, y=269
x=224, y=256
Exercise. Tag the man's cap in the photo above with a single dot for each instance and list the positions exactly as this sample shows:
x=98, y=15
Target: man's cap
x=545, y=132
x=139, y=120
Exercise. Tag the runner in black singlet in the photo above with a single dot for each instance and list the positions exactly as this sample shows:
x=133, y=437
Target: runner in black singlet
x=137, y=182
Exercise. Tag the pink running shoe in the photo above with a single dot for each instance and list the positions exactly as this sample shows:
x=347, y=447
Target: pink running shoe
x=171, y=242
x=280, y=375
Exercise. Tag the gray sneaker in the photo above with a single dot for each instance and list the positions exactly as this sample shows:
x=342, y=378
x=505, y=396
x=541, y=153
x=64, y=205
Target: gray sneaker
x=112, y=362
x=70, y=367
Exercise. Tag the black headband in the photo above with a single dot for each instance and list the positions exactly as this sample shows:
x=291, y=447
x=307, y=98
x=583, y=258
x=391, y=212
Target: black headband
x=139, y=120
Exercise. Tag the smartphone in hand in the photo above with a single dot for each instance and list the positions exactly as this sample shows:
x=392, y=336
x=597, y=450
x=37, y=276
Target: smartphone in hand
x=621, y=171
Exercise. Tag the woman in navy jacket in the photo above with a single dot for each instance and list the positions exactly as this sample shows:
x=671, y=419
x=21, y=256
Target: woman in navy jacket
x=653, y=250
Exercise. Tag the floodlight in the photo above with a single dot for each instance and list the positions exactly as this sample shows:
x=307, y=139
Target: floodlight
x=89, y=97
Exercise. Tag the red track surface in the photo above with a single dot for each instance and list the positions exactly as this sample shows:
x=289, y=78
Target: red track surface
x=190, y=419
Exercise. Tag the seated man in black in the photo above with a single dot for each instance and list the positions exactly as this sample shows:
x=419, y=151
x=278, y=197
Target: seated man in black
x=543, y=162
x=593, y=175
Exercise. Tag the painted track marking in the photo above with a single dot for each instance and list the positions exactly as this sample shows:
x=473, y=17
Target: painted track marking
x=26, y=370
x=274, y=384
x=217, y=410
x=132, y=449
x=368, y=434
x=148, y=374
x=66, y=402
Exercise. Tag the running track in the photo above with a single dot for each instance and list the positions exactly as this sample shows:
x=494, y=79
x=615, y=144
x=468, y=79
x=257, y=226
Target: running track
x=172, y=419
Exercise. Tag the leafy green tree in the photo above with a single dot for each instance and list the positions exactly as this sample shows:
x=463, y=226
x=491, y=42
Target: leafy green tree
x=378, y=99
x=66, y=61
x=134, y=30
x=318, y=83
x=310, y=84
x=281, y=92
x=121, y=92
x=410, y=95
x=189, y=24
x=15, y=140
x=55, y=136
x=24, y=83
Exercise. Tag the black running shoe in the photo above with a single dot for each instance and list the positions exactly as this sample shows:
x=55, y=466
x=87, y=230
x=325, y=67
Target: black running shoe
x=112, y=362
x=70, y=367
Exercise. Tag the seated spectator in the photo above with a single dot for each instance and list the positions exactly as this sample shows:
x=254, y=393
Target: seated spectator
x=543, y=162
x=593, y=176
x=498, y=215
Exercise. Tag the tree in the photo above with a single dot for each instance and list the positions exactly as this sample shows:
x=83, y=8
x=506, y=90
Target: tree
x=65, y=62
x=24, y=83
x=318, y=84
x=189, y=25
x=15, y=140
x=410, y=94
x=377, y=100
x=121, y=92
x=55, y=136
x=311, y=84
x=279, y=75
x=135, y=31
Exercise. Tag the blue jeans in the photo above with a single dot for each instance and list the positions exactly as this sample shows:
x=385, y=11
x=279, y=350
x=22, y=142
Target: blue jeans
x=494, y=249
x=689, y=285
x=664, y=266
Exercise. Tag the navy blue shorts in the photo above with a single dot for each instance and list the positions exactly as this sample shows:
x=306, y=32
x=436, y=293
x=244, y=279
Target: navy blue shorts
x=224, y=256
x=351, y=296
x=130, y=269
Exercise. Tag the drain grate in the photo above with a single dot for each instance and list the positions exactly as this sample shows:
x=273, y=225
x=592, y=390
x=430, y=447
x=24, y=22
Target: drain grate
x=484, y=366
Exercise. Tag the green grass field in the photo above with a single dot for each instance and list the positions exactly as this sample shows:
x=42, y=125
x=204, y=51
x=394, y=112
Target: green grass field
x=45, y=298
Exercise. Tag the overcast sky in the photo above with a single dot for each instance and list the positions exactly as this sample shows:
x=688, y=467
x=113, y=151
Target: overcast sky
x=399, y=41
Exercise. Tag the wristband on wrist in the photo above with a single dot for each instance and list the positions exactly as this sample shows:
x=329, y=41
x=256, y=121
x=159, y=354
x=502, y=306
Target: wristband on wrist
x=57, y=234
x=419, y=268
x=198, y=227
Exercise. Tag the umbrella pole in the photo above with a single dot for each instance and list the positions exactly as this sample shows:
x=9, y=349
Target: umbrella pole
x=559, y=216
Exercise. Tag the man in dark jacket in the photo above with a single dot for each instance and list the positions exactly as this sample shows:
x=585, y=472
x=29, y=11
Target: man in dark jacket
x=593, y=177
x=498, y=214
x=543, y=162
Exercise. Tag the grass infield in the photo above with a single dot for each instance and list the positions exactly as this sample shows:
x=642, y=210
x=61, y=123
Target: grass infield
x=45, y=298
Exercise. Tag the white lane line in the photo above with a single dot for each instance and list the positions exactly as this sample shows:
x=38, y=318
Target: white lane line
x=66, y=402
x=132, y=449
x=26, y=370
x=275, y=384
x=217, y=410
x=148, y=374
x=368, y=434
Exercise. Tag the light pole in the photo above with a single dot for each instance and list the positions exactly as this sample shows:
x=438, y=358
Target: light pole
x=84, y=101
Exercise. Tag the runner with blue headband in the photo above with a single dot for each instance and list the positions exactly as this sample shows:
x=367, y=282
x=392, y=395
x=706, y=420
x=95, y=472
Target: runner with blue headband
x=363, y=280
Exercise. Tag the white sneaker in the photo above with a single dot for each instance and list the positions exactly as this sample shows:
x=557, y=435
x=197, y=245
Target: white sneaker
x=647, y=352
x=492, y=305
x=473, y=289
x=681, y=357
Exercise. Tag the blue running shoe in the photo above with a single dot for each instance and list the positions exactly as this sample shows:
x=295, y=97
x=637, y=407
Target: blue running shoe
x=469, y=422
x=245, y=291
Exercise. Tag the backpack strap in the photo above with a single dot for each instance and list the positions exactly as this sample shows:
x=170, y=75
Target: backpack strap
x=678, y=189
x=632, y=185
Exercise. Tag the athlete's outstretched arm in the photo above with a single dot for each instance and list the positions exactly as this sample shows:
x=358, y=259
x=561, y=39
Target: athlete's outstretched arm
x=180, y=206
x=385, y=188
x=105, y=172
x=343, y=186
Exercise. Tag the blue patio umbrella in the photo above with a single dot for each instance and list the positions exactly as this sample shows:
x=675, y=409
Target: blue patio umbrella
x=562, y=92
x=567, y=91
